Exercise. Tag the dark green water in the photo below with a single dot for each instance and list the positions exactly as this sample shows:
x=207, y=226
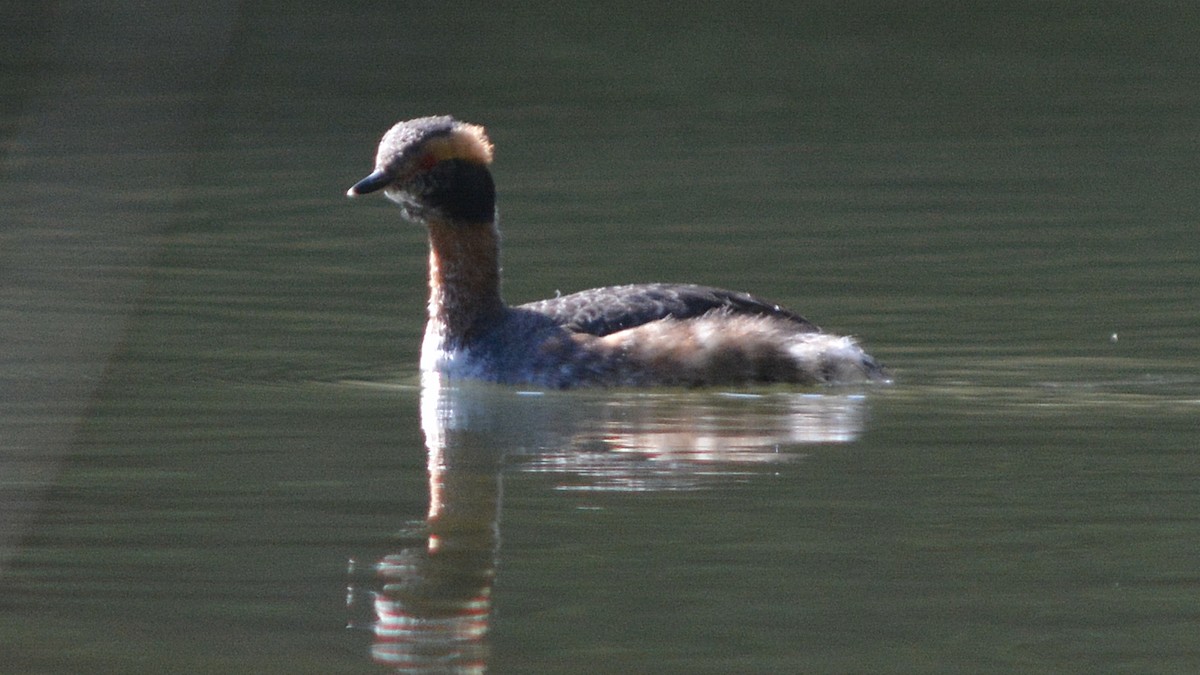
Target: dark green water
x=216, y=456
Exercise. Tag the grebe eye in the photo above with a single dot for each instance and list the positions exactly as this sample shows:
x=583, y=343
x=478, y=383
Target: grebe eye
x=427, y=162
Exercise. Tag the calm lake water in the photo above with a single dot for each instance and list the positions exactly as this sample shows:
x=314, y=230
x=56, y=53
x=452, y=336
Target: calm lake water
x=216, y=454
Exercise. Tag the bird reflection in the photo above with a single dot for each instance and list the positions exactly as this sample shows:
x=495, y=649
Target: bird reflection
x=432, y=600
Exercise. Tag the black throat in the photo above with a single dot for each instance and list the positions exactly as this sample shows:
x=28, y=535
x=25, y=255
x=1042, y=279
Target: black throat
x=463, y=191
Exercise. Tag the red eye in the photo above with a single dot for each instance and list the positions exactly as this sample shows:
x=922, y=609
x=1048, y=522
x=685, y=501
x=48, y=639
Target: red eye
x=427, y=162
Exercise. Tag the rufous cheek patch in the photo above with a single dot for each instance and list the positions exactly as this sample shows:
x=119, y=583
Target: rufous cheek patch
x=468, y=142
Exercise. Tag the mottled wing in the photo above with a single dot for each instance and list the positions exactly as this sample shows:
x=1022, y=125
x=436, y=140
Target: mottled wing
x=602, y=311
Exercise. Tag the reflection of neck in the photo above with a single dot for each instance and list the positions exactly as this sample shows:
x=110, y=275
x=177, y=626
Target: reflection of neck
x=464, y=279
x=434, y=609
x=464, y=471
x=464, y=503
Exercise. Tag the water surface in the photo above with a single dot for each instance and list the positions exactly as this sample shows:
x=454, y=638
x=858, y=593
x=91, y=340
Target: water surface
x=219, y=457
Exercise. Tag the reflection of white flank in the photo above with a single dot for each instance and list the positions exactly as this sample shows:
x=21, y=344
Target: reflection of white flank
x=668, y=446
x=636, y=440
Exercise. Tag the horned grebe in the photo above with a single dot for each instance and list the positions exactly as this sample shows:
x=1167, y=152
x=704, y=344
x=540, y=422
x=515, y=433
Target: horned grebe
x=436, y=169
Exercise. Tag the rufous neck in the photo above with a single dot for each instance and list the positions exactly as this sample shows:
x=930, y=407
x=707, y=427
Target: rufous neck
x=464, y=279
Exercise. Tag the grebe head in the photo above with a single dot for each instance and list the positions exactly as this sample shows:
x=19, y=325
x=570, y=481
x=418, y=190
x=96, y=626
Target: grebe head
x=435, y=168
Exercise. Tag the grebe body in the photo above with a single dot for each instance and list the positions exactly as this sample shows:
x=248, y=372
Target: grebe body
x=437, y=170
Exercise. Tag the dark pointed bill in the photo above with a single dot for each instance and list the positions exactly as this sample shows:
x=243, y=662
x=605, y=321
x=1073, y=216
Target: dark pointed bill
x=376, y=181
